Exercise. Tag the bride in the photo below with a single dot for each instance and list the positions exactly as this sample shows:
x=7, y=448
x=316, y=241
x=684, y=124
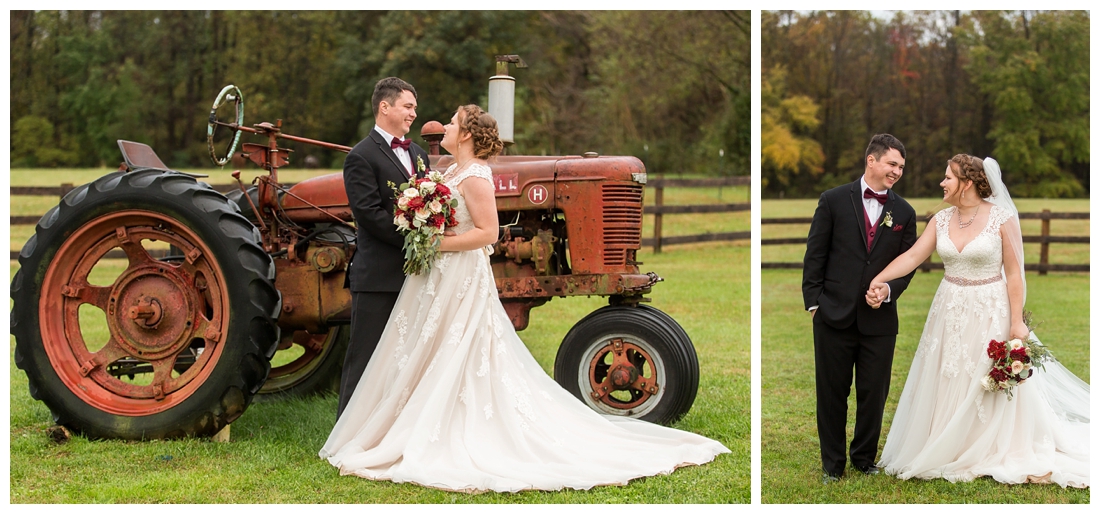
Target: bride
x=947, y=425
x=452, y=399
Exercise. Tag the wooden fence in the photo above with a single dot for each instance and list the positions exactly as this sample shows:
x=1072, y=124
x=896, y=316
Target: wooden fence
x=60, y=192
x=659, y=210
x=1044, y=239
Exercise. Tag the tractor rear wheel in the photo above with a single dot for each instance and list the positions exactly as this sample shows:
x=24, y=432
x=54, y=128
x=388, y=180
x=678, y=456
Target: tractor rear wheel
x=141, y=347
x=631, y=361
x=312, y=367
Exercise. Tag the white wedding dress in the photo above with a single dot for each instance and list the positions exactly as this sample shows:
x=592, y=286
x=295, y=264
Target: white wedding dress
x=946, y=425
x=452, y=399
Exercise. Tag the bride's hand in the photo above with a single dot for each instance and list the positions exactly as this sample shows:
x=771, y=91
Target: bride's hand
x=1019, y=331
x=877, y=294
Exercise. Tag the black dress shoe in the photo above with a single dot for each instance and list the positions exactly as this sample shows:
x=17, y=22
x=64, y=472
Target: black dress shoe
x=829, y=478
x=870, y=470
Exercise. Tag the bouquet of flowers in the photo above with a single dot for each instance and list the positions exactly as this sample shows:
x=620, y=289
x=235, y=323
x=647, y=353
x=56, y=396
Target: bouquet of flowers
x=1014, y=361
x=424, y=209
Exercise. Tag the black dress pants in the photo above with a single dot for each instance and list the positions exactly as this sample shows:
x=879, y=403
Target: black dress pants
x=836, y=353
x=369, y=314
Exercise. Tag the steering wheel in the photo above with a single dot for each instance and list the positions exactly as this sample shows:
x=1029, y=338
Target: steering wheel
x=229, y=93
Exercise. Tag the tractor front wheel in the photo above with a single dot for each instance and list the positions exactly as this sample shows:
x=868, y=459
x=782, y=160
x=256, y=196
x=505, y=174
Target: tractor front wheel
x=631, y=361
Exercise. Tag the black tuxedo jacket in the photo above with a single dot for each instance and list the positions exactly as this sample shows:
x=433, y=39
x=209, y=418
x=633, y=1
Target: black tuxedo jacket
x=838, y=269
x=368, y=170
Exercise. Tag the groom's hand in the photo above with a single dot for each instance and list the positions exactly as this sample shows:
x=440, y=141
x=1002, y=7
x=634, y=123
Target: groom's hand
x=872, y=299
x=877, y=294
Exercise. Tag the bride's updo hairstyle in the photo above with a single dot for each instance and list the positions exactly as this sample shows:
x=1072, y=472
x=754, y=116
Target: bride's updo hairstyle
x=482, y=127
x=967, y=167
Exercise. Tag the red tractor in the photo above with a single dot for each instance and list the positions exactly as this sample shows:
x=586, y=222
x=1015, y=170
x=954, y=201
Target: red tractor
x=207, y=288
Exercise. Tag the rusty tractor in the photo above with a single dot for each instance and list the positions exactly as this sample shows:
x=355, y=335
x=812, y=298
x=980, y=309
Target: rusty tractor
x=207, y=288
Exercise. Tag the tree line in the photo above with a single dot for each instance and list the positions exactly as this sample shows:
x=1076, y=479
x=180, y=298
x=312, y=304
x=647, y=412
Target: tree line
x=1010, y=85
x=671, y=88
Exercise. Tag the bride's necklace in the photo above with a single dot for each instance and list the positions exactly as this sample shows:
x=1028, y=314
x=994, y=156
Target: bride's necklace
x=968, y=223
x=459, y=168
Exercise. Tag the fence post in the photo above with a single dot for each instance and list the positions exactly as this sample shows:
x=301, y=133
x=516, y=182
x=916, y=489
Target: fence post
x=660, y=193
x=1044, y=248
x=926, y=266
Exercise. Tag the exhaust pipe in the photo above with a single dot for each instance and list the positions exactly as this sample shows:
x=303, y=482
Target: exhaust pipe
x=502, y=97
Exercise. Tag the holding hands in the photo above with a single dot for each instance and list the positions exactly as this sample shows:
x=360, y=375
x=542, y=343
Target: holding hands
x=877, y=293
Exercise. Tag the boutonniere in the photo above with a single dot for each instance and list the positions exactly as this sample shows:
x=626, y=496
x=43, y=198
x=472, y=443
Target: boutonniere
x=420, y=164
x=888, y=220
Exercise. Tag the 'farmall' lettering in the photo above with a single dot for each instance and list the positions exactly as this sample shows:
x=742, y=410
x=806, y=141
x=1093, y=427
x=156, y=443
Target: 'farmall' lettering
x=507, y=182
x=537, y=194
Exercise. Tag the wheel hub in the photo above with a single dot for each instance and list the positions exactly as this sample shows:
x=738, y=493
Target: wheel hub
x=622, y=376
x=623, y=373
x=148, y=311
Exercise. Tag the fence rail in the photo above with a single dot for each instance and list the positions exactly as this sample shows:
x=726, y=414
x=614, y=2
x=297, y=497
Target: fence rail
x=659, y=210
x=1044, y=240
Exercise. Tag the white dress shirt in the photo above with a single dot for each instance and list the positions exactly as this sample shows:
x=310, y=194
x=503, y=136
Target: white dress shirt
x=874, y=210
x=402, y=154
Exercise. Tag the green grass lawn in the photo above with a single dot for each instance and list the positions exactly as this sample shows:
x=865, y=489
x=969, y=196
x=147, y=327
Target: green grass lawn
x=272, y=453
x=790, y=455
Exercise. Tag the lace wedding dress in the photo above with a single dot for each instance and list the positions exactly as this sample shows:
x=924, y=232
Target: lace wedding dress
x=452, y=399
x=946, y=425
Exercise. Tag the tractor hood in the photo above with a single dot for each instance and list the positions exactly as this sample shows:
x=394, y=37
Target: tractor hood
x=522, y=183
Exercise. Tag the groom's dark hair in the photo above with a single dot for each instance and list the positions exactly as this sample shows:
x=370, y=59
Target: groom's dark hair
x=388, y=89
x=881, y=144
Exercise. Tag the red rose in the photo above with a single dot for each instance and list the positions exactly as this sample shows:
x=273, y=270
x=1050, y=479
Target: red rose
x=1020, y=354
x=416, y=204
x=443, y=190
x=996, y=350
x=998, y=375
x=436, y=220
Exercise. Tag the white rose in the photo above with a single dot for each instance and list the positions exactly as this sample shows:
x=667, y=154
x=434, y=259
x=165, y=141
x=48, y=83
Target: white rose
x=988, y=383
x=435, y=206
x=411, y=193
x=427, y=188
x=421, y=215
x=403, y=202
x=401, y=221
x=1015, y=343
x=1017, y=367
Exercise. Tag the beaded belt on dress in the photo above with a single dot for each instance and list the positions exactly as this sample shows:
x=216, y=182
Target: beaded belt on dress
x=970, y=282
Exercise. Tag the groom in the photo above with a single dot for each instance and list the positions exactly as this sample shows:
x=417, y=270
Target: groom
x=375, y=274
x=857, y=230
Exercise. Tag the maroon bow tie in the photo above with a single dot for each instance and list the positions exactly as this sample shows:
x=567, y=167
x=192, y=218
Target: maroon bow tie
x=867, y=193
x=397, y=143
